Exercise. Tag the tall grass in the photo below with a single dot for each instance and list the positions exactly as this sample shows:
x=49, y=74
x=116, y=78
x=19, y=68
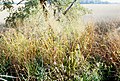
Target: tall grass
x=64, y=50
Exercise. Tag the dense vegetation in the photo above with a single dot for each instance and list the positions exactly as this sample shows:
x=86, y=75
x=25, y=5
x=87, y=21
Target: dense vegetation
x=50, y=43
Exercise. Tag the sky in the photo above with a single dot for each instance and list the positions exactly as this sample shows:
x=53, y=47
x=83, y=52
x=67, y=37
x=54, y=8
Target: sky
x=17, y=0
x=118, y=1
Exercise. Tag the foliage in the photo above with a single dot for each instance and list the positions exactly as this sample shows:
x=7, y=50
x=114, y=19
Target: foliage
x=33, y=6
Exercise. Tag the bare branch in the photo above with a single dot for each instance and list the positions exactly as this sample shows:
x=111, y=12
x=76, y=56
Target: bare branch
x=69, y=7
x=20, y=2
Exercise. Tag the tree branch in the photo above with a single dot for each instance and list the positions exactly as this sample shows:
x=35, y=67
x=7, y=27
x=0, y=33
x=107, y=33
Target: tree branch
x=20, y=2
x=69, y=7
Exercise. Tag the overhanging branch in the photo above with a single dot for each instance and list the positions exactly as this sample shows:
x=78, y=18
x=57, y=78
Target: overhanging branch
x=20, y=2
x=69, y=7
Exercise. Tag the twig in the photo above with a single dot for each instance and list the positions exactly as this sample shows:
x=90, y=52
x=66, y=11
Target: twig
x=8, y=76
x=1, y=79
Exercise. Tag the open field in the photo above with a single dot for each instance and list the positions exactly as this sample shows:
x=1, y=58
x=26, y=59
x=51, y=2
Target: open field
x=102, y=12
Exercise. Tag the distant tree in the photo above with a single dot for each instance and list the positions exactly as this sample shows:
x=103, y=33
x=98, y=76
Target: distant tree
x=93, y=2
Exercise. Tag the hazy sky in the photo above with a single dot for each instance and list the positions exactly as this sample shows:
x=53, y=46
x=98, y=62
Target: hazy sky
x=102, y=0
x=17, y=0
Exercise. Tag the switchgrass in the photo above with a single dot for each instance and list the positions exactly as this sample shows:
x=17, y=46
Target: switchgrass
x=64, y=50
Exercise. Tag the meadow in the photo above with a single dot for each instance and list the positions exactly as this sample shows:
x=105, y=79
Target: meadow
x=66, y=50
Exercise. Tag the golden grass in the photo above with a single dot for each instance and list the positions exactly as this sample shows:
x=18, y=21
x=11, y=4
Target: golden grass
x=66, y=48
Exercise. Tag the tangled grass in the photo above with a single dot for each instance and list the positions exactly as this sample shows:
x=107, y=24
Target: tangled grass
x=64, y=50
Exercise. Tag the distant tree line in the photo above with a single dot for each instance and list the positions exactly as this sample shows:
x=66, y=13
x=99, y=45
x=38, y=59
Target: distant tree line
x=93, y=2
